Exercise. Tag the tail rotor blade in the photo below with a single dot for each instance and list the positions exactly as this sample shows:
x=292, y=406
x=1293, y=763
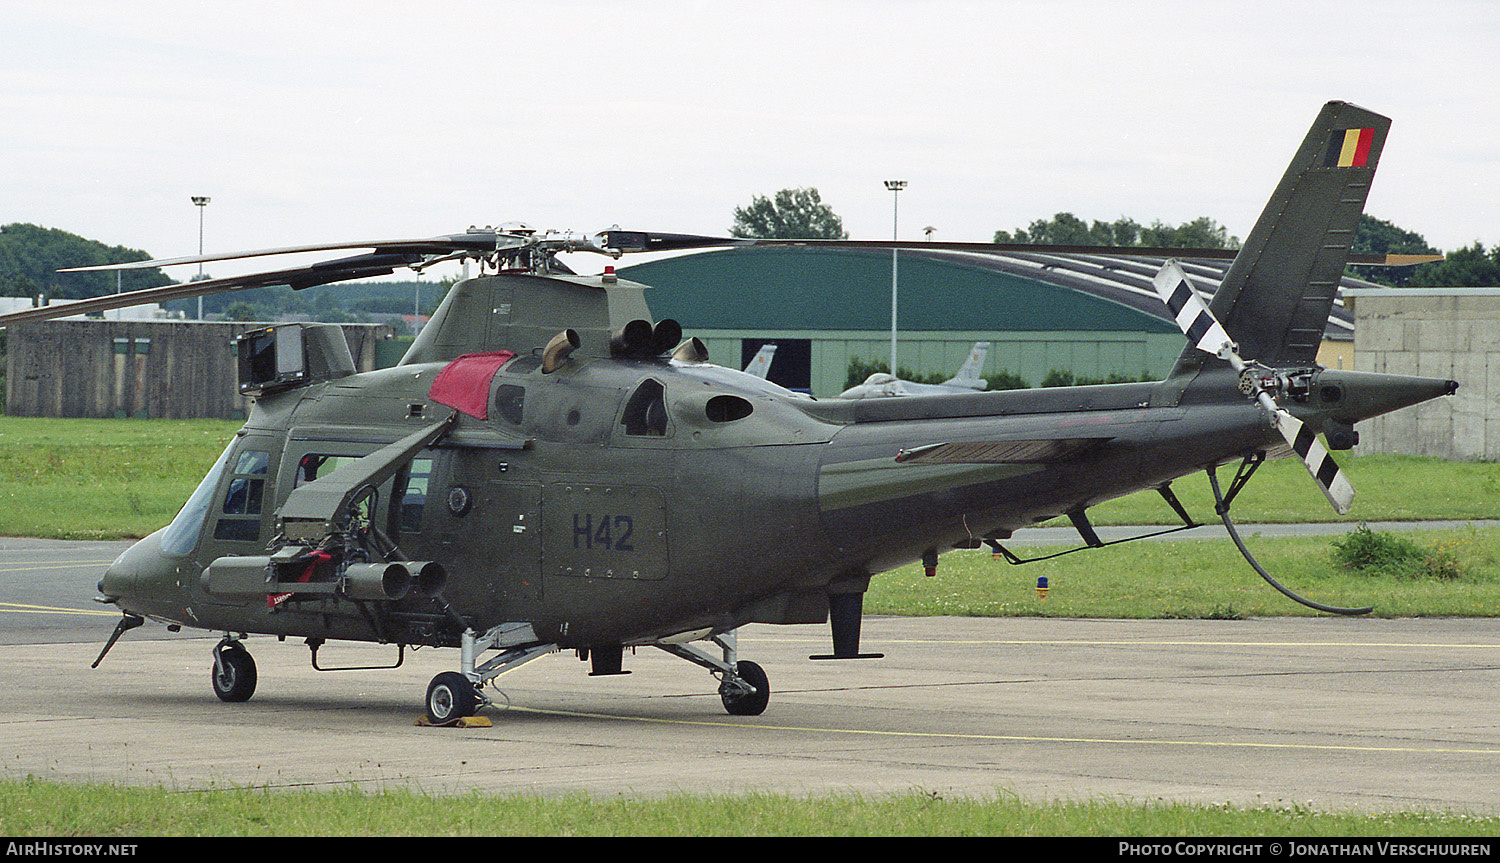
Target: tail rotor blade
x=1325, y=471
x=1192, y=315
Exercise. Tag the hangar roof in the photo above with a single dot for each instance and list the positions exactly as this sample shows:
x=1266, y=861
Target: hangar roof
x=829, y=289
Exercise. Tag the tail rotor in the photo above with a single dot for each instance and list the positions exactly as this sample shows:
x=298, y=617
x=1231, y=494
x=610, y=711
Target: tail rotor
x=1209, y=336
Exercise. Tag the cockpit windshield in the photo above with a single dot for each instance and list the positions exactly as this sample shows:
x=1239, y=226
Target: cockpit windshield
x=182, y=534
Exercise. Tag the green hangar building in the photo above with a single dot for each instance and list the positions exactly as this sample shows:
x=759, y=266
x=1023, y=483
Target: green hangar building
x=1094, y=316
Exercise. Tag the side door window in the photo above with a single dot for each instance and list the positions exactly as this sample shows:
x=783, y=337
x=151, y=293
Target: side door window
x=315, y=465
x=409, y=497
x=400, y=500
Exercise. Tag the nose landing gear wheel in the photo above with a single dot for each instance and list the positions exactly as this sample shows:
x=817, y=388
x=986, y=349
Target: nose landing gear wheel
x=233, y=673
x=450, y=697
x=738, y=701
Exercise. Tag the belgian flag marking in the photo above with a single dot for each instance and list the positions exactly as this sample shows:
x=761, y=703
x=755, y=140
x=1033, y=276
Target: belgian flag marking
x=1349, y=148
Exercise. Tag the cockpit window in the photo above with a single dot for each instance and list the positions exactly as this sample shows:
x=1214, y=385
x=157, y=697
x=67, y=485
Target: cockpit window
x=252, y=462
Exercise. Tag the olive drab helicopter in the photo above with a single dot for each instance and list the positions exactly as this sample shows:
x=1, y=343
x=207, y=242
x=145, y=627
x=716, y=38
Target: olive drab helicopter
x=549, y=468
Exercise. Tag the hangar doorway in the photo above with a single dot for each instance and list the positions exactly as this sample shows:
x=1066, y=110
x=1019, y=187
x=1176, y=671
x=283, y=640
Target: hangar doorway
x=791, y=366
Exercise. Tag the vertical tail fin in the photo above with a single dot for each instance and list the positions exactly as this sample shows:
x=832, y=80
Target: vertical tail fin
x=968, y=373
x=1277, y=295
x=760, y=364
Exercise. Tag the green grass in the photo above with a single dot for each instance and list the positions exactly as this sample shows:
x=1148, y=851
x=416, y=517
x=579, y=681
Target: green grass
x=1195, y=579
x=101, y=479
x=32, y=808
x=1387, y=488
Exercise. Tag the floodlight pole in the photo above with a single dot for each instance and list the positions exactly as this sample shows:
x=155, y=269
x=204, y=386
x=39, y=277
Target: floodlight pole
x=201, y=202
x=895, y=186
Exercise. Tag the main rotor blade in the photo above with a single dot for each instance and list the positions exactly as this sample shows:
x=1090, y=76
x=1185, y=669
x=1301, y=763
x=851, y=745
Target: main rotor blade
x=646, y=241
x=1006, y=248
x=343, y=269
x=486, y=241
x=1067, y=250
x=386, y=255
x=479, y=241
x=617, y=240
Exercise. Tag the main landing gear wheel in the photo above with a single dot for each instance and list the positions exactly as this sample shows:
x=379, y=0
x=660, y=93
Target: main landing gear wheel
x=739, y=701
x=450, y=697
x=233, y=672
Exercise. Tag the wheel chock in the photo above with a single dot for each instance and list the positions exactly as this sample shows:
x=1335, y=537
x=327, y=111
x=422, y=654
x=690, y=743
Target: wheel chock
x=460, y=722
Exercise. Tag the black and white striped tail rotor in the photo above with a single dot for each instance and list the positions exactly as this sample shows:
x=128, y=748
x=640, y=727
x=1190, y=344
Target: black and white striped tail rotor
x=1209, y=336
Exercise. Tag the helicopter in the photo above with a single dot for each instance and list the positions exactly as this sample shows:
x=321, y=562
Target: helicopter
x=550, y=469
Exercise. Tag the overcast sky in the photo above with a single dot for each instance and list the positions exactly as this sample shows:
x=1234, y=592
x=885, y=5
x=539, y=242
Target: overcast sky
x=318, y=121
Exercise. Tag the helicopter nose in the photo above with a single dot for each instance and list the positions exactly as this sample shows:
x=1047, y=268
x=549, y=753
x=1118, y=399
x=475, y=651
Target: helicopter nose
x=139, y=565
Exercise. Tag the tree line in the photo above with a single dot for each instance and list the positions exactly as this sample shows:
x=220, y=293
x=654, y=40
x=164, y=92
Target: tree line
x=1066, y=229
x=31, y=255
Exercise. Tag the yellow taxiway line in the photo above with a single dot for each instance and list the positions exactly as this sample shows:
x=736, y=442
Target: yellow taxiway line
x=21, y=608
x=1014, y=738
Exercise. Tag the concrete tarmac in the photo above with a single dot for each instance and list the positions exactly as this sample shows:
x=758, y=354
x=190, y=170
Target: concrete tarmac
x=1322, y=712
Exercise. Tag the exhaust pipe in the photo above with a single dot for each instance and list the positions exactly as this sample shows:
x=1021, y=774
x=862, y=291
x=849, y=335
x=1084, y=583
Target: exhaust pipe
x=641, y=340
x=632, y=341
x=665, y=336
x=691, y=351
x=560, y=348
